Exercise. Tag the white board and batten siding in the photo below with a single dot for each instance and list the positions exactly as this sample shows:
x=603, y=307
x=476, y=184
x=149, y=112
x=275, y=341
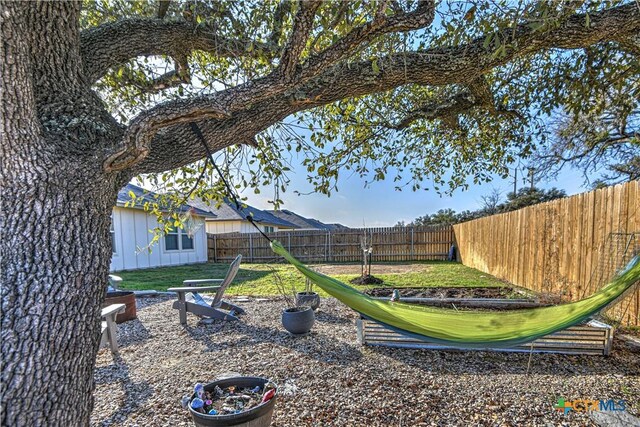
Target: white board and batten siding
x=131, y=231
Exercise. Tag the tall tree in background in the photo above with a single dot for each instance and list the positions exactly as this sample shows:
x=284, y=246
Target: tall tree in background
x=94, y=96
x=442, y=217
x=491, y=202
x=605, y=146
x=530, y=196
x=601, y=137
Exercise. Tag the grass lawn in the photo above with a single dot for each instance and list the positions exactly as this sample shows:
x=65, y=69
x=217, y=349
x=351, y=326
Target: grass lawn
x=260, y=279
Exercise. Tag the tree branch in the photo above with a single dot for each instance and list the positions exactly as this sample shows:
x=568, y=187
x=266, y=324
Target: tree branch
x=478, y=95
x=112, y=44
x=163, y=7
x=302, y=26
x=283, y=9
x=446, y=109
x=179, y=75
x=249, y=114
x=421, y=17
x=630, y=44
x=142, y=129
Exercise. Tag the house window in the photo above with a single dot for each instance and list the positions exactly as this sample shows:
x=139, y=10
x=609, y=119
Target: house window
x=171, y=240
x=112, y=230
x=187, y=242
x=178, y=240
x=268, y=229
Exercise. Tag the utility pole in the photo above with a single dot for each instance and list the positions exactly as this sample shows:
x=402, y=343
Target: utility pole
x=515, y=181
x=531, y=170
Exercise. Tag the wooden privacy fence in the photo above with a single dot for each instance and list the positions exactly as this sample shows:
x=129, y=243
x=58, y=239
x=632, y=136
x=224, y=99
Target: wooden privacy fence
x=389, y=244
x=571, y=246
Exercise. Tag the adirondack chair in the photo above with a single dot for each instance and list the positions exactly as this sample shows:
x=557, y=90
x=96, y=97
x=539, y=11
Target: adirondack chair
x=190, y=300
x=109, y=337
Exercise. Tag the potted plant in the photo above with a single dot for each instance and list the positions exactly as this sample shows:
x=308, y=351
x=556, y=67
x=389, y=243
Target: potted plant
x=308, y=296
x=297, y=319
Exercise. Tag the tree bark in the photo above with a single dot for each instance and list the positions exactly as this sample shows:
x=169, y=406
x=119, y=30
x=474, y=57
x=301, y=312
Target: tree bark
x=56, y=207
x=57, y=192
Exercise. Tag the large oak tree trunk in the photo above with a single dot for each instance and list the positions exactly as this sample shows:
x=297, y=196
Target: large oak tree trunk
x=56, y=207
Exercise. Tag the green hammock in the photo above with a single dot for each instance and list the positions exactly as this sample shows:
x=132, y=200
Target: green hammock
x=471, y=329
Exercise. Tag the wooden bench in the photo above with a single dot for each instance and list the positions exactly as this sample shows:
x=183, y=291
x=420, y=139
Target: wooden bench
x=109, y=337
x=591, y=338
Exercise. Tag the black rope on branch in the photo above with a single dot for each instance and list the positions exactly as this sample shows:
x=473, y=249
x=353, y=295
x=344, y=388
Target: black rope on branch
x=196, y=130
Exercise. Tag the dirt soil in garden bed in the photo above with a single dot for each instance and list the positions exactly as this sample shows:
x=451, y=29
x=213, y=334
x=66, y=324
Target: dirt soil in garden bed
x=327, y=378
x=452, y=292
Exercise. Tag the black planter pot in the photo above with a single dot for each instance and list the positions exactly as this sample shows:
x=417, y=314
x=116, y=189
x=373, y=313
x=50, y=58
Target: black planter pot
x=298, y=320
x=260, y=416
x=311, y=299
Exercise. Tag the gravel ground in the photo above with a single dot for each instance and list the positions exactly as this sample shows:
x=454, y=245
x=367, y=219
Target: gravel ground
x=326, y=378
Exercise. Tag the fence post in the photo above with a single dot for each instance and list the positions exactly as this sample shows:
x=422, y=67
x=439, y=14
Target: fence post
x=330, y=248
x=413, y=256
x=326, y=244
x=215, y=249
x=250, y=248
x=289, y=242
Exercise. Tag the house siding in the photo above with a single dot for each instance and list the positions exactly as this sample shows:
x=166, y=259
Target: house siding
x=237, y=226
x=131, y=228
x=219, y=227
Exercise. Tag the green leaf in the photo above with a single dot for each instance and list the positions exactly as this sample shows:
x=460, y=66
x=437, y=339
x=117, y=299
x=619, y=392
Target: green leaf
x=374, y=66
x=487, y=40
x=471, y=13
x=501, y=51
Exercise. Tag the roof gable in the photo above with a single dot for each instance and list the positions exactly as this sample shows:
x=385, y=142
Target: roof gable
x=227, y=211
x=303, y=222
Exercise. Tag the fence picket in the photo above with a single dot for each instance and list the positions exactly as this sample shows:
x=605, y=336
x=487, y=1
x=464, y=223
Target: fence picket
x=555, y=246
x=389, y=244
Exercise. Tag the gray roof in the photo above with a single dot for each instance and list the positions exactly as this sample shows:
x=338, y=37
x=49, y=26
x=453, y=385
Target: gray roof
x=228, y=211
x=143, y=196
x=304, y=222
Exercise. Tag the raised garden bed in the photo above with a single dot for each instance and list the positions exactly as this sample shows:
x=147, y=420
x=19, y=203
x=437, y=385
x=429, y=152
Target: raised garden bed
x=494, y=298
x=450, y=292
x=592, y=337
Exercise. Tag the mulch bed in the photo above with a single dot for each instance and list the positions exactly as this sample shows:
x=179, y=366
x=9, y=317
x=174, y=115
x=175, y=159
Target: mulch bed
x=326, y=378
x=367, y=279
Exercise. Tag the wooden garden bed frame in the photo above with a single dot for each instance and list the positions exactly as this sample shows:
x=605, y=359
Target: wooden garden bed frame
x=590, y=338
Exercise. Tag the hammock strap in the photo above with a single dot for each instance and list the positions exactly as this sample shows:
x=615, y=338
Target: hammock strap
x=196, y=130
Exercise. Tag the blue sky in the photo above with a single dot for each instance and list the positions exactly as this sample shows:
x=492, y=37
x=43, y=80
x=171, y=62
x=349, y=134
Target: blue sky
x=381, y=205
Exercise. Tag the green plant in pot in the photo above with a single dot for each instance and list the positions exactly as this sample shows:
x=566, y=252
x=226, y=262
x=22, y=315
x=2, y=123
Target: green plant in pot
x=308, y=296
x=296, y=319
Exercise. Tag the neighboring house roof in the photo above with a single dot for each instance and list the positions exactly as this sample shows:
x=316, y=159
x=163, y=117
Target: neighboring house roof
x=228, y=212
x=338, y=226
x=304, y=222
x=143, y=196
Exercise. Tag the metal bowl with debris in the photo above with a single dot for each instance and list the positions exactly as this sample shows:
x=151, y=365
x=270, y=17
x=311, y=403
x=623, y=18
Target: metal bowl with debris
x=235, y=401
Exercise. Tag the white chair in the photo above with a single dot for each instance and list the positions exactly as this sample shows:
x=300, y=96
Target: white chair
x=109, y=336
